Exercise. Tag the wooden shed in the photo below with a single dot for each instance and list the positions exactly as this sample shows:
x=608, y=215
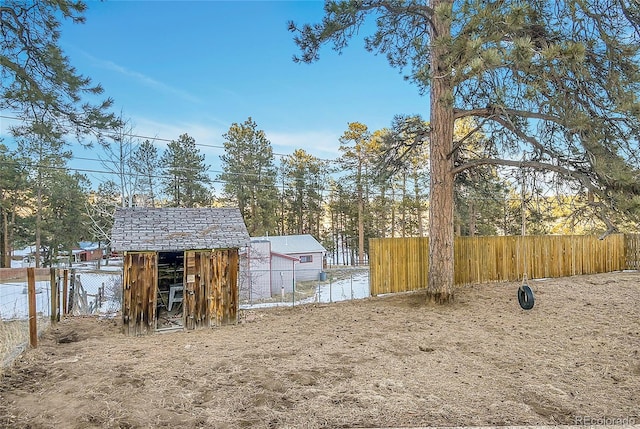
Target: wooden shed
x=180, y=266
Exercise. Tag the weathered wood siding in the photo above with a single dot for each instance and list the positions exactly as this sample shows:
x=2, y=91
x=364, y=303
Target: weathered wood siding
x=211, y=287
x=223, y=298
x=402, y=264
x=194, y=290
x=139, y=292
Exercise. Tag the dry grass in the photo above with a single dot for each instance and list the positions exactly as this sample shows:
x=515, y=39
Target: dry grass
x=14, y=335
x=380, y=362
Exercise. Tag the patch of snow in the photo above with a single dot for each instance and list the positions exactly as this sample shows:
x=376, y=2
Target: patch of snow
x=356, y=287
x=14, y=302
x=24, y=252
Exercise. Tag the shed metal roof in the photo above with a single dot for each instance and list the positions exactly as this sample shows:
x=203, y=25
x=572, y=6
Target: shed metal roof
x=288, y=244
x=170, y=229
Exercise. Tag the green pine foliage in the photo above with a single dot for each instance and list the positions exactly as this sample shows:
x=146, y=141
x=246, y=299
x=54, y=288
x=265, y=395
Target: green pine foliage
x=14, y=196
x=38, y=82
x=303, y=179
x=185, y=179
x=64, y=220
x=553, y=85
x=249, y=176
x=146, y=165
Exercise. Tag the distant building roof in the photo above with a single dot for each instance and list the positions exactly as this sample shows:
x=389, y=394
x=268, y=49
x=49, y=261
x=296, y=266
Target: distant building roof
x=282, y=255
x=165, y=229
x=288, y=244
x=88, y=245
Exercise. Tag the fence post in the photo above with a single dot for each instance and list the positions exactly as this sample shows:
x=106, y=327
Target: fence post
x=100, y=295
x=330, y=291
x=72, y=290
x=54, y=295
x=31, y=291
x=351, y=284
x=65, y=283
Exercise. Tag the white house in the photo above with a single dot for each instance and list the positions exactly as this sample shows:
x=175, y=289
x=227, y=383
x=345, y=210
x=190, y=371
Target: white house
x=276, y=263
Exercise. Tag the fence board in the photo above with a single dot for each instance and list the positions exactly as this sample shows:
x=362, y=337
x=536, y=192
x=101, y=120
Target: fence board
x=632, y=250
x=401, y=264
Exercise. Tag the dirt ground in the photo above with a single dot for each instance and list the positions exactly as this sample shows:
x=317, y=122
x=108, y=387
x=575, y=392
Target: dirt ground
x=380, y=362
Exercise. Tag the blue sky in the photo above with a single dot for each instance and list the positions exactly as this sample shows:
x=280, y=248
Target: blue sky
x=196, y=67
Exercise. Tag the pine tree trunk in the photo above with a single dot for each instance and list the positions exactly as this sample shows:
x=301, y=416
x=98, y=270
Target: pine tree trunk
x=281, y=223
x=360, y=231
x=38, y=220
x=393, y=212
x=151, y=192
x=416, y=191
x=441, y=274
x=404, y=205
x=360, y=217
x=6, y=253
x=382, y=225
x=472, y=219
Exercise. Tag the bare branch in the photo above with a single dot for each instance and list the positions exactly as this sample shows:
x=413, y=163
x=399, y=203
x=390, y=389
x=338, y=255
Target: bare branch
x=584, y=179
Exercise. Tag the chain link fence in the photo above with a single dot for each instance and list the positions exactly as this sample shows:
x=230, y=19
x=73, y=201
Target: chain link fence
x=74, y=291
x=95, y=292
x=268, y=288
x=14, y=310
x=91, y=291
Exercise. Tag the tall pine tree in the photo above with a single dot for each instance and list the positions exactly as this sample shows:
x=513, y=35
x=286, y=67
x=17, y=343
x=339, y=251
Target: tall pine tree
x=14, y=195
x=185, y=176
x=249, y=176
x=146, y=165
x=38, y=82
x=303, y=177
x=553, y=84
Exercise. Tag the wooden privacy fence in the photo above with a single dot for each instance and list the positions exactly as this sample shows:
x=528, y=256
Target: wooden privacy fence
x=402, y=264
x=632, y=251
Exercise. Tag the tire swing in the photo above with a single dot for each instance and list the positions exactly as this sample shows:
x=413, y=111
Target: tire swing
x=526, y=299
x=525, y=296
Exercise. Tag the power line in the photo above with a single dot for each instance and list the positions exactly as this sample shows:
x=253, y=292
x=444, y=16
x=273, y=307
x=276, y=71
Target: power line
x=116, y=137
x=132, y=174
x=214, y=181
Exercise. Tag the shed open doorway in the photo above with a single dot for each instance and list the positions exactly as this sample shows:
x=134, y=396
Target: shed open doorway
x=170, y=308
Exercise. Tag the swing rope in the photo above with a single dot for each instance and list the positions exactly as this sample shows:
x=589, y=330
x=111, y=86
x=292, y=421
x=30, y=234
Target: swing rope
x=525, y=293
x=523, y=231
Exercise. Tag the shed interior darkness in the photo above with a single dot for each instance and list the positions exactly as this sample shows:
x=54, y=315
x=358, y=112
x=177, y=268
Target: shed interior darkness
x=170, y=275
